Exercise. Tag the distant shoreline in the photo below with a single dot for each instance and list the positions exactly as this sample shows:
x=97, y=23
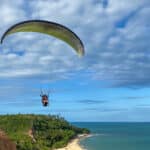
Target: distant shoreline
x=74, y=144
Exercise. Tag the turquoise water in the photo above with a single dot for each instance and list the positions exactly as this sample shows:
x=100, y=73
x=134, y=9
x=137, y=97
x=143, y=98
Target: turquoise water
x=117, y=136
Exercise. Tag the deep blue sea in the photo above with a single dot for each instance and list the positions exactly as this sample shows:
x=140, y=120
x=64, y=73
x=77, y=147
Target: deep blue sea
x=117, y=136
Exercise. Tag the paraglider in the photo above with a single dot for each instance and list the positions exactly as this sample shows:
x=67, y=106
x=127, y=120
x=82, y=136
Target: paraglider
x=45, y=98
x=50, y=28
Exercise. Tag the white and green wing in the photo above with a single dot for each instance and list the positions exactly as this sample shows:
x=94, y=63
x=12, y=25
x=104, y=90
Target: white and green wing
x=50, y=28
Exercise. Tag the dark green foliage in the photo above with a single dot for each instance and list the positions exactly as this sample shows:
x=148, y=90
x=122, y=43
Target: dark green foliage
x=47, y=131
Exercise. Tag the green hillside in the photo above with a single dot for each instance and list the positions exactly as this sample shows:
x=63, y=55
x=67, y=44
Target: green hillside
x=38, y=132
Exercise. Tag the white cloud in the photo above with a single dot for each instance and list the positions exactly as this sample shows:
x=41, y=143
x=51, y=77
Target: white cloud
x=117, y=53
x=10, y=13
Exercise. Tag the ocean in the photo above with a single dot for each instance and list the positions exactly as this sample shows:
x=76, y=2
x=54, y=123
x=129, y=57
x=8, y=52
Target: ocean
x=117, y=136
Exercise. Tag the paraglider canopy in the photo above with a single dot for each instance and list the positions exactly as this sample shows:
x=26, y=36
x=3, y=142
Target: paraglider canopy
x=50, y=28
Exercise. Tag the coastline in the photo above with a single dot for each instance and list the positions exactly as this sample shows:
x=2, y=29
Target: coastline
x=74, y=144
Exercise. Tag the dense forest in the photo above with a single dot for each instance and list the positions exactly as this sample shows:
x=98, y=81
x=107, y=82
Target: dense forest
x=38, y=132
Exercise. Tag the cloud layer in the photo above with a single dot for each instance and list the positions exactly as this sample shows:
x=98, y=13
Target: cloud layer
x=115, y=35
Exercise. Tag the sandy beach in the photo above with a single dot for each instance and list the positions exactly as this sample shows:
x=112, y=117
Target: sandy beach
x=74, y=144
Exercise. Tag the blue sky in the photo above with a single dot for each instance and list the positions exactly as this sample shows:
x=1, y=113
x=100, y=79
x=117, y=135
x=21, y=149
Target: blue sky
x=110, y=83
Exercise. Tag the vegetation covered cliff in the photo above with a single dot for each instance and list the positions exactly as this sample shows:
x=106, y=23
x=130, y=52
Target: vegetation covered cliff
x=38, y=132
